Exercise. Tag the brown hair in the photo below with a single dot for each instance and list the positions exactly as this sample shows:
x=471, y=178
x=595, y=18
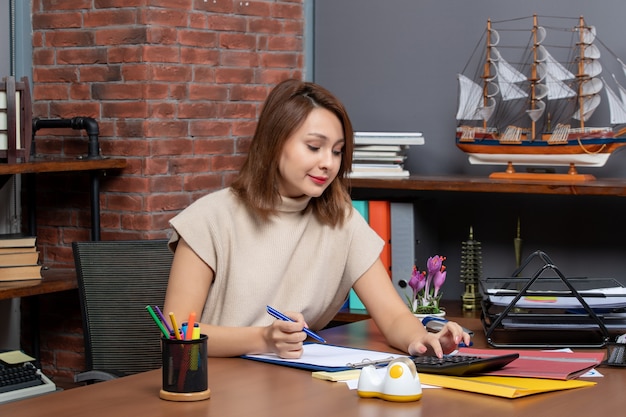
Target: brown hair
x=284, y=111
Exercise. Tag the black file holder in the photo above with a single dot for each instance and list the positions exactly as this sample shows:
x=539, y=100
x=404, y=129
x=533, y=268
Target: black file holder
x=543, y=326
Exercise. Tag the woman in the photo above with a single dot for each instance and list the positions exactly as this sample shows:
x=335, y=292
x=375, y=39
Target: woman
x=285, y=235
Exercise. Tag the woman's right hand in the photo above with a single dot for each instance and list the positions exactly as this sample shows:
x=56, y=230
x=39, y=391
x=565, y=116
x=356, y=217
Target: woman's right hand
x=285, y=338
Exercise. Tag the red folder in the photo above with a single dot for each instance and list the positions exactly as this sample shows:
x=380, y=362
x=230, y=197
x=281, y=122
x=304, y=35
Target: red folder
x=543, y=364
x=380, y=221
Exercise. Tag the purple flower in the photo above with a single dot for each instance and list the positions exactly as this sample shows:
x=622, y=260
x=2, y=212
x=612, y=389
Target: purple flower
x=418, y=280
x=438, y=279
x=421, y=282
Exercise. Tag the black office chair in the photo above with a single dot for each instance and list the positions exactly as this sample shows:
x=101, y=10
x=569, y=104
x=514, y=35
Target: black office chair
x=116, y=281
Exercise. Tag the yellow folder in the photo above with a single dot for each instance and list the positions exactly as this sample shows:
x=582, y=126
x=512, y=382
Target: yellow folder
x=502, y=386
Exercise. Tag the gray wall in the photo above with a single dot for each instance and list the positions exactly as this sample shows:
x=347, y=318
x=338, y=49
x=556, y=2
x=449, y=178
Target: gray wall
x=394, y=64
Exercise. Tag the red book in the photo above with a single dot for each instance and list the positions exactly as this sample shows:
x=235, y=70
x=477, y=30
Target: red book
x=380, y=221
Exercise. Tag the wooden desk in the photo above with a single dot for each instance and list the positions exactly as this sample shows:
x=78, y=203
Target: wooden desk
x=246, y=388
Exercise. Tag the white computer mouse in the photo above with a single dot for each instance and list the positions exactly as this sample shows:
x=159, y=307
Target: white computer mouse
x=400, y=382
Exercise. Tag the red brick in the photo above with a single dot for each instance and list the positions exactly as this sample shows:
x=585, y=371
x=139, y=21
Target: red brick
x=137, y=222
x=110, y=17
x=162, y=202
x=201, y=56
x=166, y=129
x=203, y=182
x=162, y=110
x=163, y=185
x=154, y=166
x=135, y=72
x=190, y=165
x=239, y=59
x=125, y=202
x=287, y=11
x=237, y=110
x=42, y=21
x=125, y=53
x=237, y=41
x=208, y=92
x=166, y=17
x=200, y=38
x=100, y=73
x=132, y=109
x=227, y=162
x=51, y=91
x=128, y=36
x=175, y=147
x=171, y=72
x=284, y=43
x=279, y=60
x=65, y=5
x=197, y=110
x=62, y=38
x=255, y=8
x=234, y=75
x=209, y=128
x=227, y=23
x=265, y=26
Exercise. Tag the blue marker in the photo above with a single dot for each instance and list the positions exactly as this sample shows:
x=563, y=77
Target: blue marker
x=280, y=316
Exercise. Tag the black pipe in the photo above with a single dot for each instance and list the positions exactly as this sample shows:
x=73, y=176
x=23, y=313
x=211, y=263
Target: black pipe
x=90, y=125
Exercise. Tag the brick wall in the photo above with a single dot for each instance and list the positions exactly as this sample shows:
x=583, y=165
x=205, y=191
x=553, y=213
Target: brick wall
x=176, y=86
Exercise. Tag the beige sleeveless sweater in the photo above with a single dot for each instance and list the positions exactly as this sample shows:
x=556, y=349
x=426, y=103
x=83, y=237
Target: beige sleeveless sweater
x=292, y=262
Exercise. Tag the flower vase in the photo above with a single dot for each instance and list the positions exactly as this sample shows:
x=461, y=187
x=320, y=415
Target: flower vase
x=423, y=315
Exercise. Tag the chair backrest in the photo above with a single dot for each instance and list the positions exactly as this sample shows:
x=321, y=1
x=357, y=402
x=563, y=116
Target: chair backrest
x=116, y=281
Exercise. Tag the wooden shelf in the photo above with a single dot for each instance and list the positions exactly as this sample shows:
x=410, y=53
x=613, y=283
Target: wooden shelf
x=54, y=164
x=54, y=280
x=600, y=187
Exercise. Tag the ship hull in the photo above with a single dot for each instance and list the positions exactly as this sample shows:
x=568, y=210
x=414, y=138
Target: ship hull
x=583, y=152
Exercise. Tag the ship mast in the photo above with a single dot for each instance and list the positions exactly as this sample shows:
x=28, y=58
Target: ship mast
x=581, y=76
x=533, y=78
x=487, y=70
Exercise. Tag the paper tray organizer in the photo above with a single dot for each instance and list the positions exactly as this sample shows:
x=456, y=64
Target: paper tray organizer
x=540, y=311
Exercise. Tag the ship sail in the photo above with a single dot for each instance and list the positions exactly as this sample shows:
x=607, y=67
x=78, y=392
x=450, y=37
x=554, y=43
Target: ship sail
x=506, y=77
x=471, y=101
x=591, y=86
x=553, y=73
x=617, y=108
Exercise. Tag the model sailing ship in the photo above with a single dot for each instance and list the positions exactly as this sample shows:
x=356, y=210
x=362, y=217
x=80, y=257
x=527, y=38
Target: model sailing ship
x=537, y=111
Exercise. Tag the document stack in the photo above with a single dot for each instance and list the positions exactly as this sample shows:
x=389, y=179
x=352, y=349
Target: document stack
x=19, y=258
x=382, y=154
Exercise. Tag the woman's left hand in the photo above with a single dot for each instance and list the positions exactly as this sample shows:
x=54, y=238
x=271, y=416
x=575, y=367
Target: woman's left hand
x=443, y=342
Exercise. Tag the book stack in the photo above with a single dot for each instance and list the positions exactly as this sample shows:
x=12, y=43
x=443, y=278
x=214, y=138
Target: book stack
x=382, y=154
x=19, y=258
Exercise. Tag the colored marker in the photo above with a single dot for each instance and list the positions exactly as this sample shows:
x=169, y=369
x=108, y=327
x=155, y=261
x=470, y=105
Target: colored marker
x=158, y=322
x=190, y=324
x=163, y=319
x=277, y=314
x=175, y=326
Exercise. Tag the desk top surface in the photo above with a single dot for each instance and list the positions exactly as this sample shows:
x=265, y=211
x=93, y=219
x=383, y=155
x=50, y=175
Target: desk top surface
x=246, y=388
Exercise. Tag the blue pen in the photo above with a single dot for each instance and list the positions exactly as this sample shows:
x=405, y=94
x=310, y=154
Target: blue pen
x=280, y=316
